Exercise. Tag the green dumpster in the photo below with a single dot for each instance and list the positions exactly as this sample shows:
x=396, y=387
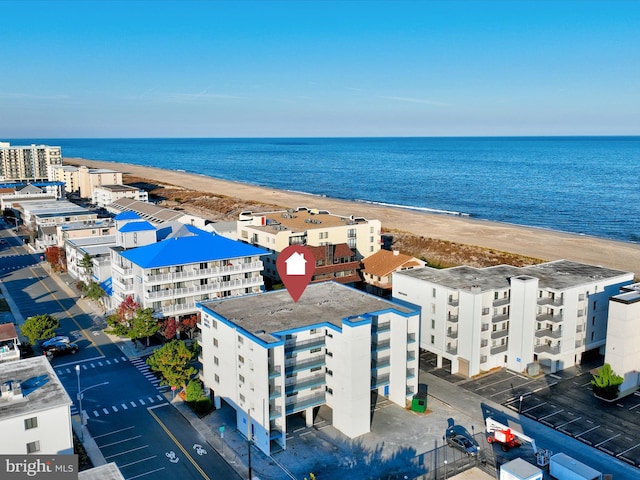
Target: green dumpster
x=419, y=402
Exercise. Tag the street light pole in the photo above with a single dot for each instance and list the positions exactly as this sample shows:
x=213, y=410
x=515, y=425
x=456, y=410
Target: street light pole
x=80, y=404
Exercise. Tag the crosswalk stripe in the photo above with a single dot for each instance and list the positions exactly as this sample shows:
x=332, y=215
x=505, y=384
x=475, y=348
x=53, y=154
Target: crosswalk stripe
x=160, y=397
x=142, y=402
x=133, y=404
x=114, y=408
x=115, y=360
x=105, y=411
x=124, y=406
x=108, y=362
x=68, y=370
x=84, y=367
x=92, y=365
x=95, y=413
x=151, y=400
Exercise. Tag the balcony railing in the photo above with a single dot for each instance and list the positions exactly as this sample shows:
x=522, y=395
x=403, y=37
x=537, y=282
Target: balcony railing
x=304, y=365
x=452, y=318
x=200, y=289
x=188, y=272
x=453, y=301
x=297, y=404
x=379, y=380
x=275, y=371
x=310, y=382
x=500, y=333
x=548, y=333
x=411, y=338
x=293, y=346
x=381, y=327
x=497, y=302
x=553, y=350
x=499, y=349
x=556, y=302
x=452, y=333
x=274, y=412
x=381, y=345
x=500, y=318
x=380, y=362
x=549, y=317
x=452, y=350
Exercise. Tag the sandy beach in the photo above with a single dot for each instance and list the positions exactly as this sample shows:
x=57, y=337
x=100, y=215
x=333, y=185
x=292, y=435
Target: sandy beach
x=533, y=242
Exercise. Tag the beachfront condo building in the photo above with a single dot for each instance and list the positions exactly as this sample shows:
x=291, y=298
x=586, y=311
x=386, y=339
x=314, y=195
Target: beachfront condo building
x=90, y=178
x=378, y=269
x=67, y=174
x=28, y=163
x=171, y=267
x=35, y=409
x=303, y=226
x=107, y=194
x=550, y=315
x=623, y=337
x=269, y=357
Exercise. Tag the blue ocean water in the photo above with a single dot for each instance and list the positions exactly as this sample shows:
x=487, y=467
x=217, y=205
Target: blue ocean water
x=584, y=185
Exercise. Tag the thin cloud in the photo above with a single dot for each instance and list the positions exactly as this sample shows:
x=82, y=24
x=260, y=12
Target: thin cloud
x=418, y=100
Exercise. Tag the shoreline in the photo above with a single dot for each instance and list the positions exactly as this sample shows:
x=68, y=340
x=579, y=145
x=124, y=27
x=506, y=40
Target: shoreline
x=535, y=242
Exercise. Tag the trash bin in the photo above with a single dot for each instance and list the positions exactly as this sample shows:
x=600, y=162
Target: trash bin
x=419, y=402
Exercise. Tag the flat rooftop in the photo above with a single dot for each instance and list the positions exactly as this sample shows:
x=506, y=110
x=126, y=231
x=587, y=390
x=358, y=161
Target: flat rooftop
x=556, y=275
x=266, y=314
x=303, y=219
x=41, y=388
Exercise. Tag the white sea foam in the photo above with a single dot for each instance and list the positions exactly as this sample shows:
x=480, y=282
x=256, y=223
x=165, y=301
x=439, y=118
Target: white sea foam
x=420, y=209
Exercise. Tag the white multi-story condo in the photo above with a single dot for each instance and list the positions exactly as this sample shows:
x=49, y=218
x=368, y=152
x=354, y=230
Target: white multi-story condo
x=35, y=409
x=623, y=337
x=172, y=267
x=107, y=194
x=303, y=226
x=481, y=318
x=28, y=163
x=67, y=174
x=90, y=178
x=268, y=357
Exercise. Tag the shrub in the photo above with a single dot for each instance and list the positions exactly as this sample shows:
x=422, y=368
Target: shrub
x=202, y=405
x=606, y=383
x=194, y=390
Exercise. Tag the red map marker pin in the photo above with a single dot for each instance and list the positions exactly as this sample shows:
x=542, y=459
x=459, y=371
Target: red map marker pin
x=296, y=265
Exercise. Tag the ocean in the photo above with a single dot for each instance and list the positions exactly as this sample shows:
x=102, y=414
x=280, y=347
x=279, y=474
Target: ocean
x=583, y=185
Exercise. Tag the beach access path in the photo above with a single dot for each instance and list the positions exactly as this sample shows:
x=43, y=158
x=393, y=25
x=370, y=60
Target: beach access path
x=533, y=242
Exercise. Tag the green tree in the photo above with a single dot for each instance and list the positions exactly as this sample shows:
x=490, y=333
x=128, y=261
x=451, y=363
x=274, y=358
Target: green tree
x=39, y=327
x=94, y=291
x=606, y=383
x=132, y=321
x=144, y=325
x=172, y=362
x=194, y=390
x=86, y=263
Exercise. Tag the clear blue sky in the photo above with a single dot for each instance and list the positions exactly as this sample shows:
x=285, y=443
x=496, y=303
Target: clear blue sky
x=318, y=68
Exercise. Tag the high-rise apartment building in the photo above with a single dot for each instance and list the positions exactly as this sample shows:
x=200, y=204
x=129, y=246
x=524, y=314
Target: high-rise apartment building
x=28, y=163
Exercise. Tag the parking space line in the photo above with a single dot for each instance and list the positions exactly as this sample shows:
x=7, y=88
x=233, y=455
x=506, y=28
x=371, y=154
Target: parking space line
x=610, y=438
x=587, y=431
x=128, y=451
x=111, y=433
x=146, y=473
x=567, y=423
x=628, y=449
x=551, y=414
x=119, y=441
x=635, y=406
x=306, y=433
x=137, y=461
x=535, y=406
x=298, y=430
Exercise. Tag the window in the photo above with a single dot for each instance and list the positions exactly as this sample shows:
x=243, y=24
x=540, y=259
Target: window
x=216, y=361
x=594, y=304
x=316, y=350
x=433, y=292
x=216, y=378
x=433, y=323
x=241, y=397
x=433, y=308
x=30, y=423
x=433, y=339
x=315, y=369
x=240, y=358
x=215, y=342
x=33, y=447
x=241, y=378
x=240, y=339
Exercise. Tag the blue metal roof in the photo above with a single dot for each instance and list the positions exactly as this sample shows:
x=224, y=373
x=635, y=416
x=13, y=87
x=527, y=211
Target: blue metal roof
x=136, y=227
x=204, y=247
x=127, y=216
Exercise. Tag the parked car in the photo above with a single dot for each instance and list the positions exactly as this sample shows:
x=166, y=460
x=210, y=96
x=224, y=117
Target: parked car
x=458, y=437
x=54, y=340
x=60, y=348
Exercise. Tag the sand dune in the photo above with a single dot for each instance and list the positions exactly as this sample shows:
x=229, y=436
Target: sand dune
x=534, y=242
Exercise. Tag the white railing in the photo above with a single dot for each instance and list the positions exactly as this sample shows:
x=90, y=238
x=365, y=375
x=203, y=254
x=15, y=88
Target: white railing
x=209, y=288
x=190, y=272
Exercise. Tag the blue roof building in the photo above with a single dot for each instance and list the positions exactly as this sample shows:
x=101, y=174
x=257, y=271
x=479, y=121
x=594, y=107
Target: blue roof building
x=185, y=266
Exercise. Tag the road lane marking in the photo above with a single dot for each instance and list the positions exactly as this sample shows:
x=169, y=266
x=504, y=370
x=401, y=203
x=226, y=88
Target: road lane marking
x=178, y=444
x=160, y=397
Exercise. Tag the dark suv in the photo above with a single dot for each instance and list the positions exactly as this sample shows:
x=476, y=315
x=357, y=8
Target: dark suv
x=60, y=348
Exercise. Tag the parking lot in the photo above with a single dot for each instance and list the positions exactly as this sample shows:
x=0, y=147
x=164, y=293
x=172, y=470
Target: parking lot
x=563, y=401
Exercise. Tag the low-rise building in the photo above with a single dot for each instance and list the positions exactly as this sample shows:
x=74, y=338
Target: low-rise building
x=154, y=213
x=91, y=178
x=378, y=269
x=335, y=262
x=9, y=343
x=35, y=409
x=504, y=316
x=311, y=227
x=269, y=357
x=107, y=194
x=67, y=174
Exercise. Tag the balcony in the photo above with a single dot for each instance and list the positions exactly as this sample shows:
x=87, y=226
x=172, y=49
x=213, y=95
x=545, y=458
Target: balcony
x=274, y=392
x=380, y=363
x=411, y=373
x=500, y=318
x=177, y=309
x=556, y=302
x=8, y=353
x=380, y=328
x=297, y=404
x=454, y=302
x=296, y=386
x=499, y=349
x=294, y=347
x=552, y=350
x=275, y=371
x=452, y=350
x=274, y=412
x=549, y=333
x=452, y=333
x=378, y=346
x=549, y=317
x=452, y=318
x=485, y=327
x=304, y=365
x=211, y=287
x=379, y=380
x=500, y=333
x=195, y=273
x=498, y=302
x=411, y=338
